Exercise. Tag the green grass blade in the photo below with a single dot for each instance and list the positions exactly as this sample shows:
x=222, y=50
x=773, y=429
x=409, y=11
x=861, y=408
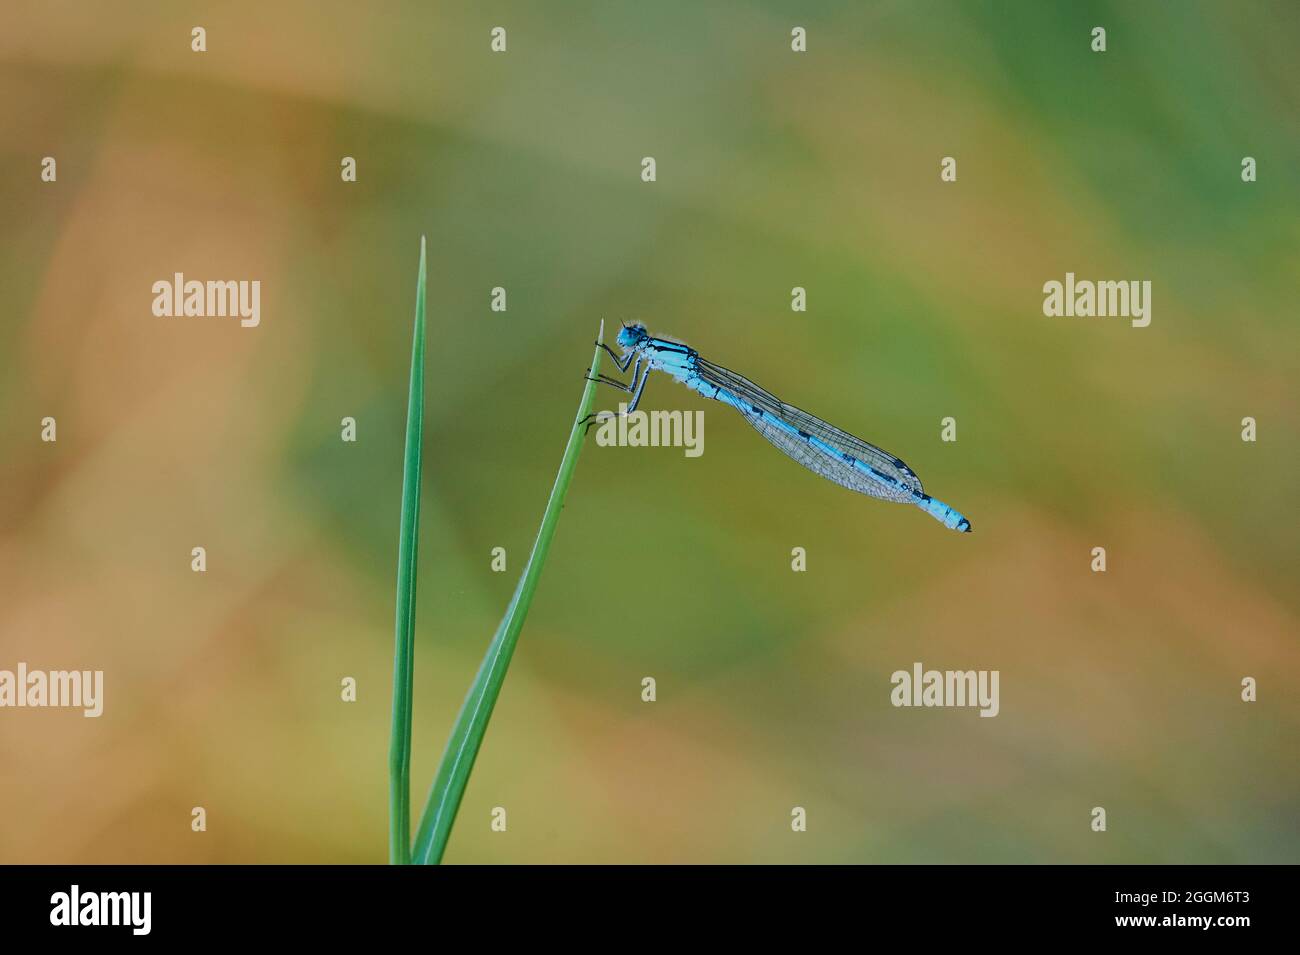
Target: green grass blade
x=471, y=723
x=399, y=752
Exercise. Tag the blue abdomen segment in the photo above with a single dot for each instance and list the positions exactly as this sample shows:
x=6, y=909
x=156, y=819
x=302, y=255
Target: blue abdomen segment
x=855, y=465
x=945, y=515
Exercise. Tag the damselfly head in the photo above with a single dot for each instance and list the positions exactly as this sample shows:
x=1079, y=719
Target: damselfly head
x=630, y=336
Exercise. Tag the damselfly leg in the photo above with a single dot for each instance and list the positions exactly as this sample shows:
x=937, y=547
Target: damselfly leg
x=634, y=387
x=623, y=362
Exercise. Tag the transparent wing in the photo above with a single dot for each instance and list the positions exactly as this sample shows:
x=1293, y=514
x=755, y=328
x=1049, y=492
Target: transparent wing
x=815, y=459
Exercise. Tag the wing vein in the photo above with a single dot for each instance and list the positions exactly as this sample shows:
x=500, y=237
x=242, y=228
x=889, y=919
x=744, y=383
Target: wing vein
x=900, y=481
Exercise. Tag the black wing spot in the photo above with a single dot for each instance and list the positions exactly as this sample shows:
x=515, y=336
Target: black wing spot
x=804, y=434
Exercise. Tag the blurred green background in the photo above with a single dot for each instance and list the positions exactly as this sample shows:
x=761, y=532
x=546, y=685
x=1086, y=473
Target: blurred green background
x=775, y=169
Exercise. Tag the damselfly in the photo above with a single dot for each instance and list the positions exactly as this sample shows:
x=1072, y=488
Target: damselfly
x=821, y=448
